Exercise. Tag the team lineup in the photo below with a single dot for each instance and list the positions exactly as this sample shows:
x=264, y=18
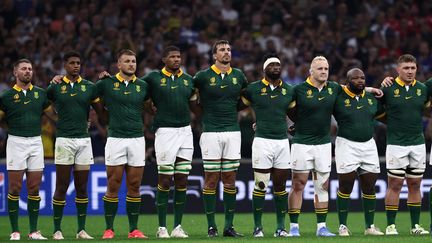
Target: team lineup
x=216, y=94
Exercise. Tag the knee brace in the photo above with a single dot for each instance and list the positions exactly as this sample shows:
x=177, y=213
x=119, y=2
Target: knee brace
x=321, y=190
x=166, y=169
x=212, y=166
x=182, y=167
x=230, y=165
x=397, y=173
x=261, y=181
x=415, y=172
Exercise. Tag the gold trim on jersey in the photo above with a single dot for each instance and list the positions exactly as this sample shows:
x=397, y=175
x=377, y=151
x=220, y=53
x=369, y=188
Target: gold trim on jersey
x=122, y=79
x=216, y=69
x=267, y=83
x=309, y=81
x=351, y=94
x=66, y=80
x=245, y=101
x=166, y=73
x=17, y=88
x=402, y=83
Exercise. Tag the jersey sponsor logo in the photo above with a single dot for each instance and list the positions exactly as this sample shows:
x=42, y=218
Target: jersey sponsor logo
x=63, y=89
x=163, y=82
x=36, y=95
x=408, y=97
x=309, y=94
x=212, y=81
x=224, y=86
x=127, y=92
x=83, y=88
x=185, y=82
x=347, y=103
x=273, y=96
x=138, y=88
x=74, y=94
x=419, y=92
x=174, y=87
x=116, y=86
x=26, y=102
x=396, y=93
x=234, y=81
x=359, y=107
x=321, y=98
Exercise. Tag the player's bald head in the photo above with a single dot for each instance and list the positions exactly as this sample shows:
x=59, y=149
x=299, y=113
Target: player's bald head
x=354, y=72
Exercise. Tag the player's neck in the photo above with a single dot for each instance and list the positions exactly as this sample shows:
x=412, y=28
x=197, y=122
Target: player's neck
x=126, y=77
x=175, y=72
x=407, y=83
x=72, y=78
x=223, y=67
x=22, y=85
x=273, y=82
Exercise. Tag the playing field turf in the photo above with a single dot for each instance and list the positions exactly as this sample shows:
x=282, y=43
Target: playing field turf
x=196, y=226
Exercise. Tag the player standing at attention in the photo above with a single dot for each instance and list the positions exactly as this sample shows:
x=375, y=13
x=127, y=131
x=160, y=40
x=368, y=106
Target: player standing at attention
x=171, y=90
x=356, y=152
x=123, y=95
x=72, y=98
x=404, y=102
x=219, y=91
x=23, y=106
x=270, y=98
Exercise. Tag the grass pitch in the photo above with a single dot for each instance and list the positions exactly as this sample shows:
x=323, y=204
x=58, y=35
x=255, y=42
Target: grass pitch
x=196, y=226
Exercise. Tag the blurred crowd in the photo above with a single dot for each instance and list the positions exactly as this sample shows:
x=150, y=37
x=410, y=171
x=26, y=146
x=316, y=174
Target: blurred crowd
x=369, y=34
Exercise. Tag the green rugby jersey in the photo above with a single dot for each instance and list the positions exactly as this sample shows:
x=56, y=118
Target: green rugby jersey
x=219, y=98
x=404, y=112
x=428, y=84
x=125, y=105
x=170, y=94
x=313, y=113
x=72, y=103
x=270, y=107
x=355, y=115
x=24, y=111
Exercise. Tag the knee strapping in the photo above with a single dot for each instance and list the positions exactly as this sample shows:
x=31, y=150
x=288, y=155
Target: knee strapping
x=415, y=172
x=261, y=180
x=230, y=165
x=320, y=181
x=212, y=166
x=183, y=167
x=166, y=169
x=397, y=173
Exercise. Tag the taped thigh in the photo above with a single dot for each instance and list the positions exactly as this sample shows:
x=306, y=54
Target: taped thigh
x=166, y=169
x=230, y=165
x=182, y=167
x=320, y=179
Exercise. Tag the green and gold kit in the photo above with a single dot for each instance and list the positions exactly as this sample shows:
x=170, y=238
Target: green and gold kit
x=219, y=97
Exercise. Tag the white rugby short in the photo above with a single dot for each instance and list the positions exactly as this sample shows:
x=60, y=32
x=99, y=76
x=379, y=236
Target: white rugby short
x=270, y=153
x=70, y=151
x=311, y=157
x=24, y=153
x=413, y=156
x=172, y=142
x=120, y=151
x=220, y=145
x=351, y=155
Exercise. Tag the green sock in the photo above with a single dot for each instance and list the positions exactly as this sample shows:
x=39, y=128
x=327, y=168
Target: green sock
x=110, y=208
x=414, y=209
x=58, y=206
x=162, y=205
x=281, y=203
x=133, y=205
x=294, y=214
x=13, y=209
x=258, y=198
x=179, y=205
x=33, y=211
x=209, y=197
x=81, y=205
x=229, y=197
x=321, y=214
x=391, y=212
x=369, y=203
x=342, y=203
